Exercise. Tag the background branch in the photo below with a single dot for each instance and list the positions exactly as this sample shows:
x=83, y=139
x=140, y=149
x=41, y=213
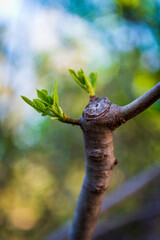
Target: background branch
x=130, y=187
x=141, y=215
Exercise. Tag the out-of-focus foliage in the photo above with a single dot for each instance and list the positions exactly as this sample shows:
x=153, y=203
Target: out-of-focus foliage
x=41, y=161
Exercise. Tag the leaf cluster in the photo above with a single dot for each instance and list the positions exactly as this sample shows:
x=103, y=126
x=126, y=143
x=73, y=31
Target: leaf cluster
x=87, y=83
x=46, y=104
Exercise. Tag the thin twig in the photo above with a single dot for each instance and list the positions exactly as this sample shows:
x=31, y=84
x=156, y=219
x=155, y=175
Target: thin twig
x=72, y=121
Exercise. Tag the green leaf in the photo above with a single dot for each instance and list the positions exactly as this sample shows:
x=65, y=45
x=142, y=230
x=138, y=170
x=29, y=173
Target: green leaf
x=93, y=77
x=41, y=94
x=79, y=79
x=47, y=105
x=87, y=82
x=80, y=76
x=49, y=99
x=44, y=102
x=27, y=100
x=55, y=95
x=45, y=91
x=39, y=105
x=75, y=77
x=37, y=110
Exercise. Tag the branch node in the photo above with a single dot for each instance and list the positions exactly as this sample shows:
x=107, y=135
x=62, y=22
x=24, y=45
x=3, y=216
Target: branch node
x=116, y=162
x=99, y=188
x=92, y=98
x=122, y=121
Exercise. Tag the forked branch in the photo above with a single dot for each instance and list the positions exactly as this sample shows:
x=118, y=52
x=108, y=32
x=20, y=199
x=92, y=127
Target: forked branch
x=99, y=119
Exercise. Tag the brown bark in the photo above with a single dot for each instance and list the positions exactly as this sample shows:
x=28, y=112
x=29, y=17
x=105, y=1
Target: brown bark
x=72, y=121
x=98, y=121
x=140, y=104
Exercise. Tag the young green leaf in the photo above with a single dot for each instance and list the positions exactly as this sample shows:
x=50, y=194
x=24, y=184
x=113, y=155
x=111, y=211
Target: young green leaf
x=37, y=110
x=93, y=78
x=80, y=76
x=49, y=99
x=27, y=100
x=87, y=83
x=76, y=78
x=55, y=95
x=42, y=95
x=48, y=105
x=43, y=114
x=45, y=91
x=39, y=105
x=44, y=102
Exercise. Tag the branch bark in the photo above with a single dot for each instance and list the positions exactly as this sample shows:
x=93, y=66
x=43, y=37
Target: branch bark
x=140, y=104
x=100, y=161
x=99, y=119
x=72, y=121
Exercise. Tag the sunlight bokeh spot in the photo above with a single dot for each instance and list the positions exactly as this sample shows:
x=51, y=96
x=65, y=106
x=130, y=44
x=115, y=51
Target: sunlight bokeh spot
x=23, y=218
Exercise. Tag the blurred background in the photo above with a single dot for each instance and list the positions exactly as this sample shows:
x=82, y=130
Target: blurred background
x=42, y=161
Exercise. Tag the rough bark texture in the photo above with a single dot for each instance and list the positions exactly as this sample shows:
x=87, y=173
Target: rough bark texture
x=98, y=121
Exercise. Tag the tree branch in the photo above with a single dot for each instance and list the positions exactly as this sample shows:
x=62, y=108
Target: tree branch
x=72, y=121
x=116, y=224
x=140, y=104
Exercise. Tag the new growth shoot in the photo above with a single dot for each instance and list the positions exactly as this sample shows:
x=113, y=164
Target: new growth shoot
x=87, y=83
x=48, y=104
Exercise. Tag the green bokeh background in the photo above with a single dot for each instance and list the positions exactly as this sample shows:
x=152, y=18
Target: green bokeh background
x=42, y=161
